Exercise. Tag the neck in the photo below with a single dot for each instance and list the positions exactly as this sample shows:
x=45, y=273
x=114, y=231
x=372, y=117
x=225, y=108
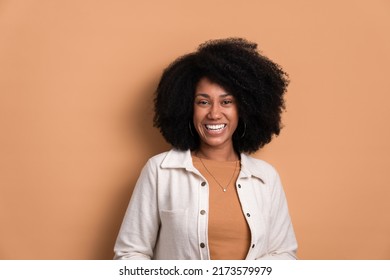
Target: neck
x=218, y=154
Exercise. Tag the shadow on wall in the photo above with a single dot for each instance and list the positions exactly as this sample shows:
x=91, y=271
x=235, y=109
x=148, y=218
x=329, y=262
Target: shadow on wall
x=144, y=141
x=150, y=137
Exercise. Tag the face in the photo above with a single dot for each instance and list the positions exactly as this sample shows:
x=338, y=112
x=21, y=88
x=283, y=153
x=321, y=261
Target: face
x=215, y=115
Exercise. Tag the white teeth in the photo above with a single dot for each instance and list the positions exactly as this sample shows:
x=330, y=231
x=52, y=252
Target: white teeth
x=215, y=126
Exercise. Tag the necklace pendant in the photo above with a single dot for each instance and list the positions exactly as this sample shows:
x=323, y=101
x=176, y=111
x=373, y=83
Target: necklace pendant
x=224, y=190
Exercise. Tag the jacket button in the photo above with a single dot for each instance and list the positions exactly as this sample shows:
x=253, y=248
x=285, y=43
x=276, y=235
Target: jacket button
x=253, y=245
x=248, y=215
x=239, y=186
x=203, y=184
x=202, y=245
x=202, y=212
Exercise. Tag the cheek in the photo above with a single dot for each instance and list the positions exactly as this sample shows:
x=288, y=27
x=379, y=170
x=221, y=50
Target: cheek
x=197, y=115
x=194, y=114
x=234, y=117
x=197, y=122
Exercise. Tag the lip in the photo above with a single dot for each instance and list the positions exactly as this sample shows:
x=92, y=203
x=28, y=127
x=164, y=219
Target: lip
x=215, y=128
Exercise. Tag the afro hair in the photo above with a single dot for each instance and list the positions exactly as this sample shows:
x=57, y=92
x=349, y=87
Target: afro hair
x=257, y=83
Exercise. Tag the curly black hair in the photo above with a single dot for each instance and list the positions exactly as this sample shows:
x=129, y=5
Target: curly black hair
x=257, y=83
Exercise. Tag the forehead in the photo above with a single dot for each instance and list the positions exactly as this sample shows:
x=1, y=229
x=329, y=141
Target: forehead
x=207, y=88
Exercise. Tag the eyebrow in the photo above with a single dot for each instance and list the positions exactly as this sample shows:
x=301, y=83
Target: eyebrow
x=208, y=96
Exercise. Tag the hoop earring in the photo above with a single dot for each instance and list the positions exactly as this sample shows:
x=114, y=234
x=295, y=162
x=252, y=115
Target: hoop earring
x=189, y=126
x=243, y=134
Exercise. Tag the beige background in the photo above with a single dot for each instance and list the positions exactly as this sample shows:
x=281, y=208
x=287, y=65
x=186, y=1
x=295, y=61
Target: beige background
x=76, y=84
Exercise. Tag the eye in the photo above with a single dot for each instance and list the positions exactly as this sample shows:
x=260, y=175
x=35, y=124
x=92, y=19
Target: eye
x=227, y=102
x=202, y=102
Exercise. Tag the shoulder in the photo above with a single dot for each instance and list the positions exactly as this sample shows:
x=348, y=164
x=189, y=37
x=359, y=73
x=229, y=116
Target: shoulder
x=258, y=168
x=153, y=165
x=164, y=163
x=257, y=164
x=173, y=158
x=158, y=158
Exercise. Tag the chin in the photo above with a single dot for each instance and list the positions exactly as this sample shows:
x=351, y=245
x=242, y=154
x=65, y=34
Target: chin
x=215, y=143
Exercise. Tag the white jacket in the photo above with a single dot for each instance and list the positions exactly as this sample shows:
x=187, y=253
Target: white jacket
x=163, y=219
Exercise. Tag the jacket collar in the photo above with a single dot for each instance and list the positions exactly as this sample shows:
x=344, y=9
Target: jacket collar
x=251, y=168
x=178, y=159
x=183, y=159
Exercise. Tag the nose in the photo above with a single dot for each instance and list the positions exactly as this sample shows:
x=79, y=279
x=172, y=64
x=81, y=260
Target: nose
x=215, y=112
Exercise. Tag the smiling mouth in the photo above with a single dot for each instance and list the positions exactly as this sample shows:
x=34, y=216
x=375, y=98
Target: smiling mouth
x=215, y=127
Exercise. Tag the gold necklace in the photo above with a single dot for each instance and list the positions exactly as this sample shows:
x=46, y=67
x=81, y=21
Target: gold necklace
x=215, y=179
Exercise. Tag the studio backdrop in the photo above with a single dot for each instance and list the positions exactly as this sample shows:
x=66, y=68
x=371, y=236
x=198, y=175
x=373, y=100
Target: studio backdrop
x=76, y=91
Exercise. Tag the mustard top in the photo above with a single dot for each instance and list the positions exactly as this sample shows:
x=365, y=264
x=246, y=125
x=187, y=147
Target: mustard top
x=228, y=232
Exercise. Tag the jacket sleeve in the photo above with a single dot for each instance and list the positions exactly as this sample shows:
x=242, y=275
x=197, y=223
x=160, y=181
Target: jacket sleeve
x=282, y=243
x=139, y=230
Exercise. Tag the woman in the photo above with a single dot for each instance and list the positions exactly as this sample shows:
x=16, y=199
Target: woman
x=207, y=198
